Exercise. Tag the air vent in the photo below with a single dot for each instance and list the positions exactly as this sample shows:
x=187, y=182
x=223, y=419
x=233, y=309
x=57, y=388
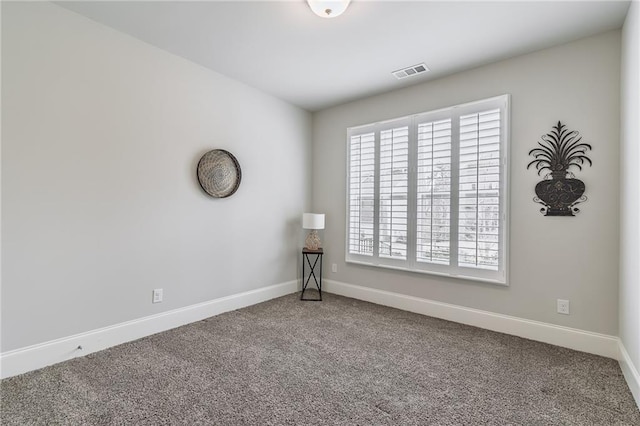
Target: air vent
x=411, y=71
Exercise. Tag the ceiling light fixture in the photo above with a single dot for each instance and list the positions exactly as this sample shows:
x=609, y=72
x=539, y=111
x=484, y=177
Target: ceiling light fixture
x=328, y=9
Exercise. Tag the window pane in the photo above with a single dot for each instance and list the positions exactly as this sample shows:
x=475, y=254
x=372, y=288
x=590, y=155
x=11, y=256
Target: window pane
x=361, y=193
x=433, y=208
x=479, y=190
x=394, y=170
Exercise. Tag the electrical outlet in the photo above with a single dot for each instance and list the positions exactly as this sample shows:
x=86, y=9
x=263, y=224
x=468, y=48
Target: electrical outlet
x=157, y=295
x=563, y=306
x=334, y=267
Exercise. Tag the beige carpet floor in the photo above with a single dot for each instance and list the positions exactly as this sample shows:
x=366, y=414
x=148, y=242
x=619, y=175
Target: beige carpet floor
x=336, y=362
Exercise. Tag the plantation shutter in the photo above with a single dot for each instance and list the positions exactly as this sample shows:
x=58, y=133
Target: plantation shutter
x=433, y=209
x=479, y=190
x=392, y=218
x=361, y=193
x=427, y=192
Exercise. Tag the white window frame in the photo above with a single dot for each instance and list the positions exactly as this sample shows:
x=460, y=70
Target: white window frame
x=499, y=276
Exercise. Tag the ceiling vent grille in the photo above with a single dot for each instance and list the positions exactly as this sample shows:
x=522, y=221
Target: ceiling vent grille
x=410, y=71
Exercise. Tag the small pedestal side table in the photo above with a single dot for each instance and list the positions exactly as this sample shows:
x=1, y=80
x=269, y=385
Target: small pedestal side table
x=307, y=257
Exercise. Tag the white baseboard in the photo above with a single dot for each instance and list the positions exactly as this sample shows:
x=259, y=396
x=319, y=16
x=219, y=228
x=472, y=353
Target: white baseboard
x=41, y=355
x=630, y=374
x=584, y=341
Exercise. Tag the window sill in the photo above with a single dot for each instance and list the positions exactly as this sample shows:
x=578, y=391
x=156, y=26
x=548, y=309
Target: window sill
x=438, y=274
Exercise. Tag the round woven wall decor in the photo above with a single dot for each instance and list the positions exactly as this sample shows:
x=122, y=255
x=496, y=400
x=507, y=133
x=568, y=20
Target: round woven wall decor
x=219, y=173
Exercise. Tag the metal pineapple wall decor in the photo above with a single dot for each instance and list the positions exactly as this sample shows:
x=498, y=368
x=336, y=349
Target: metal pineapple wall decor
x=560, y=191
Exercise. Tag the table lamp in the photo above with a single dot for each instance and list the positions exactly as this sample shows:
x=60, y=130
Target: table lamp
x=313, y=221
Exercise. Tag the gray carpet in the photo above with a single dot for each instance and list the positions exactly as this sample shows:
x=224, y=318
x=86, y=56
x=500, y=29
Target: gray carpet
x=336, y=362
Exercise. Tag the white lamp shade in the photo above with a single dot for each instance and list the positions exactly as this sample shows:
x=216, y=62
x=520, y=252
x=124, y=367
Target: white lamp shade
x=312, y=221
x=328, y=9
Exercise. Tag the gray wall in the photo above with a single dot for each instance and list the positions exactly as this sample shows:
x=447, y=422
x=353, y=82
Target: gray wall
x=100, y=139
x=571, y=258
x=630, y=188
x=87, y=236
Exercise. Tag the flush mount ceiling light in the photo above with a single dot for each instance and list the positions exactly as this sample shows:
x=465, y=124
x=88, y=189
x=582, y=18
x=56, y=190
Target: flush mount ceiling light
x=328, y=9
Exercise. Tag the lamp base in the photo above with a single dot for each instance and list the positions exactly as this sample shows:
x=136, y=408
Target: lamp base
x=313, y=241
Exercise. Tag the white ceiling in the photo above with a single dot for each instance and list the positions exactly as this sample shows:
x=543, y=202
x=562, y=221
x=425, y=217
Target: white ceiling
x=282, y=48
